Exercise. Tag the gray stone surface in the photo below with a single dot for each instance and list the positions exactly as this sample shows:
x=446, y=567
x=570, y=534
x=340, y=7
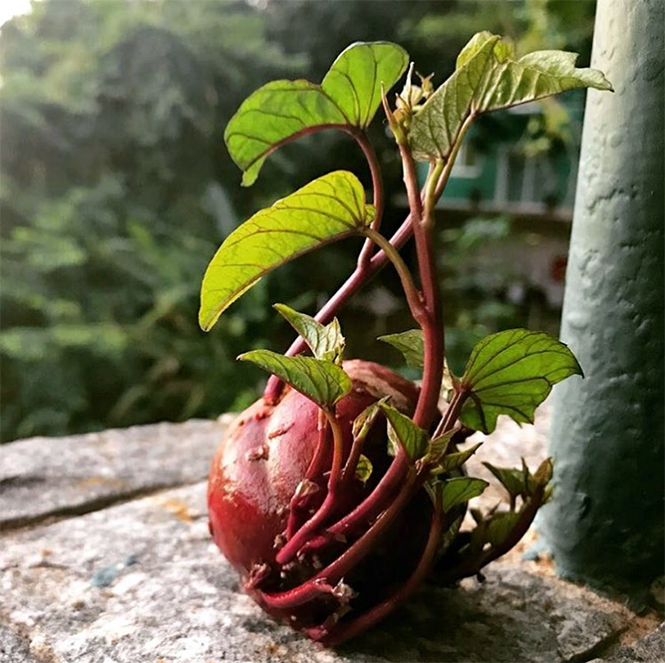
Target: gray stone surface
x=14, y=648
x=137, y=579
x=142, y=581
x=42, y=478
x=649, y=649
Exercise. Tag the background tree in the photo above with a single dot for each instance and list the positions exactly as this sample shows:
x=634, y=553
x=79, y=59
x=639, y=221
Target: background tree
x=114, y=188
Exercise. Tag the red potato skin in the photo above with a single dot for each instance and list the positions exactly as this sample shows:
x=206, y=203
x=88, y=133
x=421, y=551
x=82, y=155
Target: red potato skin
x=266, y=453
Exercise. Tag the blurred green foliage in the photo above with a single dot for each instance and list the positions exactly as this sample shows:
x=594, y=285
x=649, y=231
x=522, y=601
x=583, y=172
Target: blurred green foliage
x=116, y=189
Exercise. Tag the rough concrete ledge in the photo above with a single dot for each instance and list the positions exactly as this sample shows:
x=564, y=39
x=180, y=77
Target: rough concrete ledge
x=43, y=478
x=140, y=581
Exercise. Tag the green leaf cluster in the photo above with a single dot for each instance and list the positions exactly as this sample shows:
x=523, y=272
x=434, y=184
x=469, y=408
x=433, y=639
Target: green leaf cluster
x=521, y=482
x=497, y=526
x=489, y=77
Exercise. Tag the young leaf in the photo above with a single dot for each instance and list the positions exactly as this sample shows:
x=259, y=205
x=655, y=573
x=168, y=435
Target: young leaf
x=364, y=468
x=329, y=208
x=321, y=381
x=439, y=445
x=450, y=534
x=410, y=344
x=402, y=431
x=543, y=475
x=459, y=490
x=365, y=420
x=487, y=78
x=448, y=383
x=499, y=526
x=512, y=373
x=283, y=110
x=455, y=460
x=515, y=481
x=325, y=341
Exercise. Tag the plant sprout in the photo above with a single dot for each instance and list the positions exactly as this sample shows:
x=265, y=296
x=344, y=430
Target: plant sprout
x=344, y=487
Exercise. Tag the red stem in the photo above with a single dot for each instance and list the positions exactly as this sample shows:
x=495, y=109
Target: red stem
x=355, y=553
x=314, y=470
x=366, y=267
x=373, y=504
x=381, y=610
x=432, y=323
x=370, y=507
x=354, y=456
x=377, y=192
x=290, y=550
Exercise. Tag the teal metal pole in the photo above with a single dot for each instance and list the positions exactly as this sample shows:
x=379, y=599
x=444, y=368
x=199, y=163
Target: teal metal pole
x=605, y=523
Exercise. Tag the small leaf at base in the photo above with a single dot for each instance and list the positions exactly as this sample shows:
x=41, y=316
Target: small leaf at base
x=459, y=490
x=402, y=431
x=455, y=460
x=410, y=343
x=365, y=420
x=364, y=468
x=321, y=381
x=325, y=341
x=515, y=481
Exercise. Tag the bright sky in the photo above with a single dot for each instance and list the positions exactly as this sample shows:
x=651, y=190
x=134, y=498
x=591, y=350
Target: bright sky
x=9, y=8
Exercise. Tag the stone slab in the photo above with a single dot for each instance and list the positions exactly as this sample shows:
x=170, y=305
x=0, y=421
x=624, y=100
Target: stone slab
x=142, y=582
x=50, y=477
x=42, y=478
x=649, y=649
x=14, y=648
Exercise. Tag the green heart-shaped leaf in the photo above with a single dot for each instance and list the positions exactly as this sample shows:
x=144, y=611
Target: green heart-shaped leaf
x=488, y=78
x=512, y=373
x=349, y=96
x=319, y=380
x=325, y=341
x=329, y=208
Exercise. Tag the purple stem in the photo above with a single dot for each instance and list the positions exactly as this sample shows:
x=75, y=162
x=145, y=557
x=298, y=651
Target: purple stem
x=290, y=550
x=355, y=553
x=375, y=614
